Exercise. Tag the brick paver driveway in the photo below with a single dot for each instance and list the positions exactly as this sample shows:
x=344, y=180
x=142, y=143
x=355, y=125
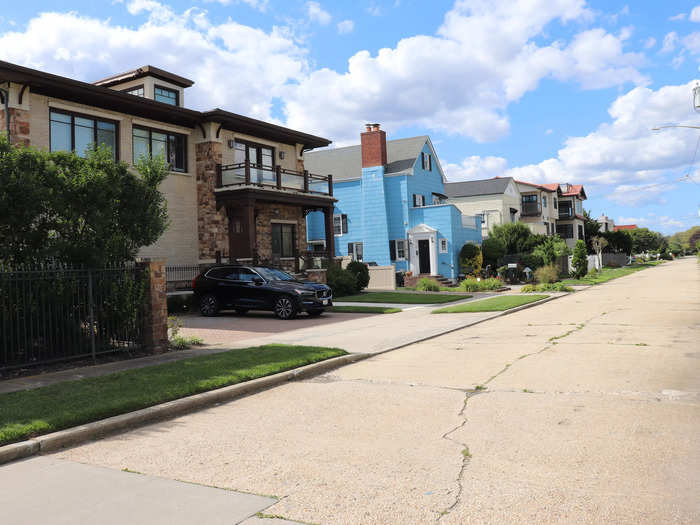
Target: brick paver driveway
x=591, y=414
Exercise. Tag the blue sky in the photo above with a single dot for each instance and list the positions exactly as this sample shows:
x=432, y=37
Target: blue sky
x=543, y=90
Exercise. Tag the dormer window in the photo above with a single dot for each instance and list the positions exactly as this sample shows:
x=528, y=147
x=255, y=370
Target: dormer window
x=165, y=95
x=427, y=161
x=136, y=91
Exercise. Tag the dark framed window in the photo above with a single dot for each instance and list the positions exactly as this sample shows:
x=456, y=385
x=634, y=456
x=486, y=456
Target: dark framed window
x=340, y=224
x=544, y=201
x=150, y=143
x=283, y=239
x=418, y=200
x=166, y=95
x=135, y=90
x=80, y=133
x=580, y=231
x=565, y=231
x=555, y=203
x=256, y=154
x=355, y=251
x=530, y=198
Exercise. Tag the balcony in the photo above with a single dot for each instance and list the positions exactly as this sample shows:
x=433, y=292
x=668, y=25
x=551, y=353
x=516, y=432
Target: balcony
x=247, y=175
x=566, y=213
x=531, y=209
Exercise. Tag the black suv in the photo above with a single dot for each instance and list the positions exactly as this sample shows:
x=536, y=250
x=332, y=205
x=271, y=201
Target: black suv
x=246, y=288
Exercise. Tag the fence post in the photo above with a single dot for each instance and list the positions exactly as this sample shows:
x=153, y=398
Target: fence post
x=91, y=310
x=155, y=316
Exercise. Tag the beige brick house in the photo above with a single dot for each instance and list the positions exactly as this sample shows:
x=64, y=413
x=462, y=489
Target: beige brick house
x=237, y=186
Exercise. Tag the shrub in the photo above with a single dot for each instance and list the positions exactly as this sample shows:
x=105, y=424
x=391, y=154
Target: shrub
x=470, y=258
x=547, y=274
x=177, y=341
x=513, y=236
x=427, y=285
x=342, y=282
x=528, y=288
x=400, y=279
x=580, y=261
x=361, y=272
x=546, y=287
x=472, y=285
x=532, y=261
x=181, y=303
x=551, y=248
x=492, y=249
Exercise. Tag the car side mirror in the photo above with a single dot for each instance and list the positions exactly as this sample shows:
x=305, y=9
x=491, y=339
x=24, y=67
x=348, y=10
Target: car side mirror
x=258, y=281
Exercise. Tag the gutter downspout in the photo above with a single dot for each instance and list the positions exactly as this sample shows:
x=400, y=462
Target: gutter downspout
x=6, y=98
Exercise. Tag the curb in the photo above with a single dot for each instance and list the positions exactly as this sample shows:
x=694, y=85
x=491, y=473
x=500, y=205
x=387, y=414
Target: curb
x=76, y=435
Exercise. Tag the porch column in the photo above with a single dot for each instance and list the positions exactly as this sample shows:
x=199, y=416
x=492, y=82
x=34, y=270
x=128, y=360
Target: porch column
x=330, y=238
x=251, y=230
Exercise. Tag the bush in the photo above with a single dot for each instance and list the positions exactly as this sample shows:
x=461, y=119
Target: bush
x=580, y=260
x=177, y=341
x=361, y=272
x=551, y=248
x=427, y=285
x=470, y=258
x=342, y=282
x=492, y=249
x=472, y=285
x=532, y=261
x=400, y=279
x=546, y=287
x=547, y=274
x=181, y=303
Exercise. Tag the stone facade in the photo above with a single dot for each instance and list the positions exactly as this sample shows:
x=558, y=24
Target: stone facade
x=212, y=224
x=155, y=317
x=19, y=126
x=266, y=214
x=317, y=275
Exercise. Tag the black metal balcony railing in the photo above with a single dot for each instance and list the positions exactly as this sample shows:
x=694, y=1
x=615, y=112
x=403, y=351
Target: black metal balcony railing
x=247, y=174
x=566, y=213
x=531, y=208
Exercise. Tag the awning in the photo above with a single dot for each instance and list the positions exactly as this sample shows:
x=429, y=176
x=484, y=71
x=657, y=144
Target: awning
x=441, y=195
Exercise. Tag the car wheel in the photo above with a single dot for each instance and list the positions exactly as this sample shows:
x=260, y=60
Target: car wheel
x=209, y=305
x=315, y=313
x=285, y=308
x=241, y=311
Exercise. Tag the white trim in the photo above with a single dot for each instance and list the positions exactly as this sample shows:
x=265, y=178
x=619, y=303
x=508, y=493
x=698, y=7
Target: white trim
x=156, y=124
x=420, y=233
x=404, y=243
x=443, y=240
x=86, y=111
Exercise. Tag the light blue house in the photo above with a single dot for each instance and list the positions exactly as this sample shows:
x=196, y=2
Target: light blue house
x=391, y=206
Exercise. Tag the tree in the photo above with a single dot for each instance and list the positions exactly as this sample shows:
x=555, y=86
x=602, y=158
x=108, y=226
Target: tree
x=598, y=244
x=513, y=236
x=591, y=228
x=88, y=211
x=361, y=273
x=550, y=249
x=580, y=260
x=492, y=249
x=470, y=258
x=619, y=241
x=645, y=240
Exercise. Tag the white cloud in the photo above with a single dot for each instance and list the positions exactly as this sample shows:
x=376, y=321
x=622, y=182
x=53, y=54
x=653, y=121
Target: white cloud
x=649, y=42
x=475, y=168
x=345, y=27
x=669, y=43
x=654, y=222
x=636, y=195
x=487, y=58
x=316, y=13
x=695, y=14
x=215, y=57
x=549, y=131
x=677, y=18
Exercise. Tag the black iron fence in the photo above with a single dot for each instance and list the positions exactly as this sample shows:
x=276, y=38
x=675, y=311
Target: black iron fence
x=57, y=314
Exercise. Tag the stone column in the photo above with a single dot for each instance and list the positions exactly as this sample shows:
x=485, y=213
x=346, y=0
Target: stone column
x=212, y=224
x=155, y=316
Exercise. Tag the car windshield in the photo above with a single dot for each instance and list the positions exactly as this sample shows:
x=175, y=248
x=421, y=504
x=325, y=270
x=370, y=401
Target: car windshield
x=270, y=274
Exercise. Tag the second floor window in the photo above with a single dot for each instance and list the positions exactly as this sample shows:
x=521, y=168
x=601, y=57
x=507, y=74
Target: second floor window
x=427, y=161
x=137, y=91
x=151, y=143
x=565, y=231
x=165, y=95
x=79, y=133
x=544, y=201
x=418, y=200
x=530, y=198
x=340, y=224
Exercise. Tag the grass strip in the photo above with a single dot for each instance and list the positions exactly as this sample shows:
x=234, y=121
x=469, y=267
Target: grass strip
x=608, y=274
x=47, y=409
x=493, y=304
x=402, y=298
x=365, y=310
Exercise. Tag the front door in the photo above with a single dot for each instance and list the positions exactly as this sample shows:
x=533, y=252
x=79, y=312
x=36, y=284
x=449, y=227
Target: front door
x=424, y=256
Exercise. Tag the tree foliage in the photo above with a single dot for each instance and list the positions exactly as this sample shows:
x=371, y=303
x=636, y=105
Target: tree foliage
x=618, y=242
x=361, y=273
x=492, y=249
x=591, y=229
x=82, y=211
x=645, y=240
x=580, y=260
x=550, y=249
x=470, y=258
x=515, y=237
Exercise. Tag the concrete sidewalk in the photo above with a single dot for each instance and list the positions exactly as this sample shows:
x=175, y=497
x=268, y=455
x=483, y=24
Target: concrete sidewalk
x=359, y=334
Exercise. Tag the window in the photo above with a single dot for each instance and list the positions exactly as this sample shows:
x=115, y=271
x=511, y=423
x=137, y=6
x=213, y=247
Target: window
x=544, y=201
x=283, y=239
x=580, y=231
x=579, y=207
x=355, y=250
x=165, y=95
x=443, y=245
x=426, y=161
x=418, y=200
x=73, y=132
x=256, y=154
x=151, y=143
x=555, y=203
x=340, y=224
x=136, y=90
x=530, y=198
x=565, y=231
x=397, y=250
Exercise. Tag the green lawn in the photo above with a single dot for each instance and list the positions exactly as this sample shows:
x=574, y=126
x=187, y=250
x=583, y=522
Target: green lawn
x=33, y=412
x=607, y=274
x=365, y=310
x=493, y=304
x=402, y=298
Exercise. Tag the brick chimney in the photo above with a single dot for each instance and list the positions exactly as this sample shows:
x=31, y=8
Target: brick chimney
x=373, y=145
